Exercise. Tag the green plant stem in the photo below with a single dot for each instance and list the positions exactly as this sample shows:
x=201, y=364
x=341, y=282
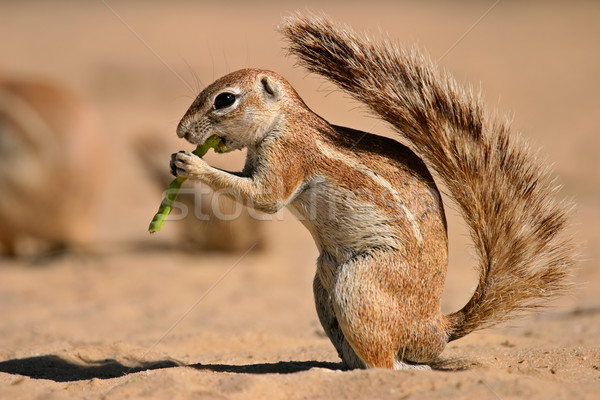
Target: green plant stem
x=166, y=205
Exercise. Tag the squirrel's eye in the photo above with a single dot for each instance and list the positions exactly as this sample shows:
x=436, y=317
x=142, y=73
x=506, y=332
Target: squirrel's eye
x=224, y=100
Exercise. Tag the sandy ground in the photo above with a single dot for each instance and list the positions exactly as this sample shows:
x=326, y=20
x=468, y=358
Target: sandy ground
x=143, y=319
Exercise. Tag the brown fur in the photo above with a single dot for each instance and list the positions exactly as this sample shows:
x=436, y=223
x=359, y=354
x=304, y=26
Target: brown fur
x=372, y=206
x=50, y=165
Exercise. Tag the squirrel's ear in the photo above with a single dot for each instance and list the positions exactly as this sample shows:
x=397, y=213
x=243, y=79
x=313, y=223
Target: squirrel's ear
x=270, y=87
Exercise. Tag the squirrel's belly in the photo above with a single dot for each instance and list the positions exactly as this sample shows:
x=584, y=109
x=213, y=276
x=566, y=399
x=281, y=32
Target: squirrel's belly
x=342, y=223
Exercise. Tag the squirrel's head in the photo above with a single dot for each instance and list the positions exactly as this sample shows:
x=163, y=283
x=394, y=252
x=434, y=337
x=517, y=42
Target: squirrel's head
x=243, y=108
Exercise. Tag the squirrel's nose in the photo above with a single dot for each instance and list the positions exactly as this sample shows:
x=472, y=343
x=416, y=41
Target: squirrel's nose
x=182, y=130
x=185, y=134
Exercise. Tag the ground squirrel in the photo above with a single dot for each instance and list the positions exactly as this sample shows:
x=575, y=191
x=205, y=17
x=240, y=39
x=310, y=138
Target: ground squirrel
x=371, y=203
x=51, y=165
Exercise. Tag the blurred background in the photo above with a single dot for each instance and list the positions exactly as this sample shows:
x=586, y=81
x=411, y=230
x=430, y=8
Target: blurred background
x=127, y=71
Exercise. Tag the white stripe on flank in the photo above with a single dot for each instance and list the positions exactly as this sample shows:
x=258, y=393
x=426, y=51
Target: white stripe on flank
x=336, y=155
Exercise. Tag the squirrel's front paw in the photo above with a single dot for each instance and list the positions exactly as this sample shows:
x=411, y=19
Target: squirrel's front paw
x=187, y=165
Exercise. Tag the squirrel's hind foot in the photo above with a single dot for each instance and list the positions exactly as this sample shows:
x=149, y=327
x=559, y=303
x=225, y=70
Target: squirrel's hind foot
x=401, y=365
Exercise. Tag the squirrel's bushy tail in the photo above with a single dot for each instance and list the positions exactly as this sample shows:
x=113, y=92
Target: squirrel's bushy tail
x=503, y=192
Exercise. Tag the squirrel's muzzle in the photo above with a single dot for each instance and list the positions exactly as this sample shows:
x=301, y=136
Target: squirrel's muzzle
x=194, y=131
